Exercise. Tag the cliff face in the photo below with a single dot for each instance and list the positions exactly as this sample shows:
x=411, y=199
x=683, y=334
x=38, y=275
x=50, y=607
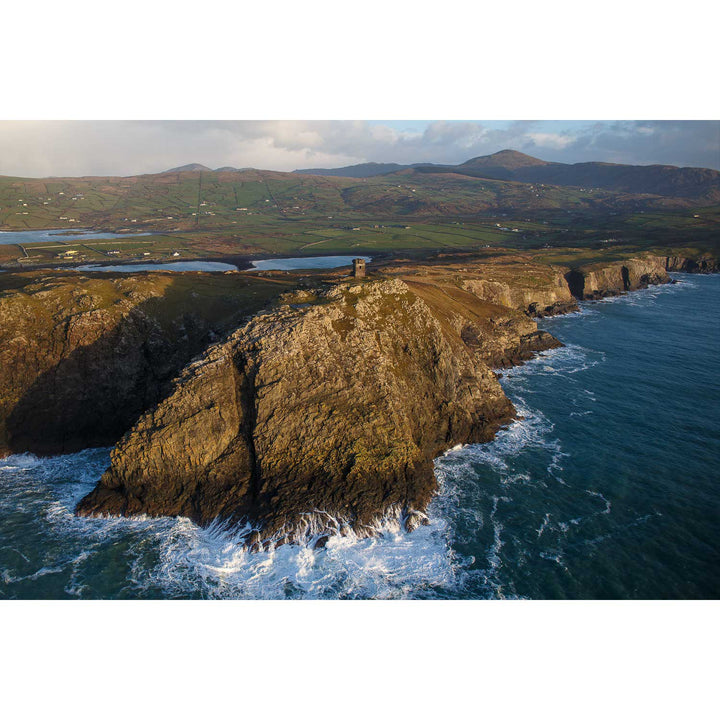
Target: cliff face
x=497, y=335
x=603, y=279
x=548, y=296
x=82, y=357
x=702, y=264
x=334, y=404
x=519, y=284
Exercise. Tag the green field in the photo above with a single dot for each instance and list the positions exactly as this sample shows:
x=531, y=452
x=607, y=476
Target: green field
x=260, y=213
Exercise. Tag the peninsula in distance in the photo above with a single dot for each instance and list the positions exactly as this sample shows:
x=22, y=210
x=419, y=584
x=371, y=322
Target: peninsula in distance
x=493, y=378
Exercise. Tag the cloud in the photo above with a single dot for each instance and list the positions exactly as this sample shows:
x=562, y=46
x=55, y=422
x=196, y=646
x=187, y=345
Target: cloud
x=556, y=141
x=680, y=142
x=43, y=148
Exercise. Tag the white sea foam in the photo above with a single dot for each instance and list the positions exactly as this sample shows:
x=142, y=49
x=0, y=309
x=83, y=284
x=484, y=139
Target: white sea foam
x=212, y=563
x=608, y=504
x=176, y=558
x=544, y=525
x=566, y=360
x=646, y=295
x=493, y=552
x=554, y=556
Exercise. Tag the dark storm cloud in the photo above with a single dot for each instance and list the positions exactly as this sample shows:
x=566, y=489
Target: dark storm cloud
x=682, y=142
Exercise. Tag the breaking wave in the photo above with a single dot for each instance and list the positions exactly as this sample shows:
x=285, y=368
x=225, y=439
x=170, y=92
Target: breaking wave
x=173, y=557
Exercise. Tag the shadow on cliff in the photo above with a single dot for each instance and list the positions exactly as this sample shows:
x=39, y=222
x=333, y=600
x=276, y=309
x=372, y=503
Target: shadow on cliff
x=576, y=283
x=94, y=394
x=625, y=278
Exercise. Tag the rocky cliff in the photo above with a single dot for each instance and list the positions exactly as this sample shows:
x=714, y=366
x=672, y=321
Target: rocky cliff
x=535, y=297
x=598, y=280
x=81, y=357
x=326, y=408
x=514, y=282
x=704, y=264
x=331, y=406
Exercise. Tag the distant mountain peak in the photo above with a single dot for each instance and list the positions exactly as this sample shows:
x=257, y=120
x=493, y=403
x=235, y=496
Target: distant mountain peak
x=192, y=167
x=509, y=159
x=508, y=152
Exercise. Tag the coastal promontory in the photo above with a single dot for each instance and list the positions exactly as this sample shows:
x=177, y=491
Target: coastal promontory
x=325, y=411
x=329, y=408
x=304, y=405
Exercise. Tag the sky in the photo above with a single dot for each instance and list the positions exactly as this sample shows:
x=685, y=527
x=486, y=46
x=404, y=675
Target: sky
x=108, y=147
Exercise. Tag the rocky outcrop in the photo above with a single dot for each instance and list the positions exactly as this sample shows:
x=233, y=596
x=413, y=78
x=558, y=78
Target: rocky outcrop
x=333, y=405
x=598, y=280
x=499, y=336
x=703, y=264
x=81, y=358
x=543, y=297
x=515, y=283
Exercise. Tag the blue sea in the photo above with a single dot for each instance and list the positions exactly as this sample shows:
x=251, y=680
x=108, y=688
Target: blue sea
x=607, y=487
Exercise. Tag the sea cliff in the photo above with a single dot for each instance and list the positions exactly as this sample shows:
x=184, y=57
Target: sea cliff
x=81, y=357
x=598, y=280
x=321, y=406
x=329, y=408
x=702, y=264
x=514, y=282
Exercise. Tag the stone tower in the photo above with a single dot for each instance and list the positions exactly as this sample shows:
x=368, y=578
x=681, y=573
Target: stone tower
x=358, y=268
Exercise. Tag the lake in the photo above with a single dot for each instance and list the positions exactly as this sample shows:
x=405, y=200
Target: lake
x=325, y=262
x=24, y=237
x=181, y=266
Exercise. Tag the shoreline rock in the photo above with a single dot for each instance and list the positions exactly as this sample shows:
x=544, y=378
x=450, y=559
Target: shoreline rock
x=705, y=265
x=333, y=405
x=598, y=280
x=81, y=358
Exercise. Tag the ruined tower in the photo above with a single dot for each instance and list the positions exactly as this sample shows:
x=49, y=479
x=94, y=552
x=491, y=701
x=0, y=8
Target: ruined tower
x=358, y=267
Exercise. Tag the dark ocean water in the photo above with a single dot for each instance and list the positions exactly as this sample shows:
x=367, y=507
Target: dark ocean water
x=608, y=488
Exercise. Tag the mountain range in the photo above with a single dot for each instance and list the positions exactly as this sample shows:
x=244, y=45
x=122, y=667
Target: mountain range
x=510, y=165
x=197, y=167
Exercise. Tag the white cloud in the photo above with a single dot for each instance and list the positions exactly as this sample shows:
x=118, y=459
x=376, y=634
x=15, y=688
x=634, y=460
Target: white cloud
x=551, y=140
x=127, y=147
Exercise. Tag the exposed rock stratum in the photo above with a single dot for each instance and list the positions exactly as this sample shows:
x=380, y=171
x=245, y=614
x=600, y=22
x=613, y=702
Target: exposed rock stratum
x=332, y=405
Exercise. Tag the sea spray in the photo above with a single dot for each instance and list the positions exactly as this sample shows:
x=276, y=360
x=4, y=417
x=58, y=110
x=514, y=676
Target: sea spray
x=173, y=557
